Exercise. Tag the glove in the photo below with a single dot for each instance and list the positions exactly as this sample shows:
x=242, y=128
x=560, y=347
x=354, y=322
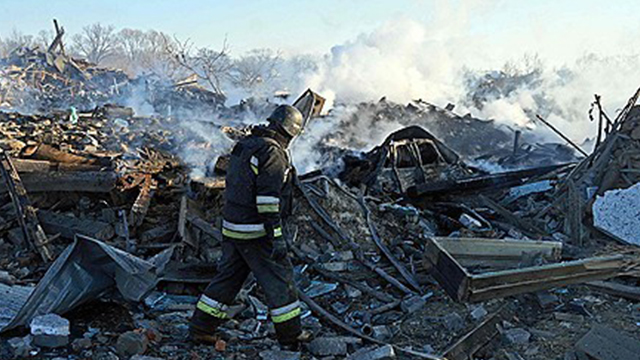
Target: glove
x=280, y=249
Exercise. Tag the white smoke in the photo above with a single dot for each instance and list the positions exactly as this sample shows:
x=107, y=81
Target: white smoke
x=398, y=60
x=406, y=60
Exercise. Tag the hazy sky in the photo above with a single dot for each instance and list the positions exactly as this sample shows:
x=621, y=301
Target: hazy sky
x=553, y=27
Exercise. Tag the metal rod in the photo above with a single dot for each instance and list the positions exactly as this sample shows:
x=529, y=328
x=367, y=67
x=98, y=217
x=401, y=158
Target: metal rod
x=575, y=146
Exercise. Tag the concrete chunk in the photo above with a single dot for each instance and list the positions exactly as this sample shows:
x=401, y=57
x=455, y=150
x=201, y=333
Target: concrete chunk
x=131, y=343
x=617, y=213
x=50, y=331
x=478, y=313
x=382, y=332
x=518, y=336
x=547, y=300
x=605, y=343
x=374, y=353
x=454, y=322
x=6, y=278
x=335, y=266
x=413, y=304
x=21, y=346
x=327, y=346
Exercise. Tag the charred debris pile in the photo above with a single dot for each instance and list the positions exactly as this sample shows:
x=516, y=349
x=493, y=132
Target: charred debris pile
x=411, y=251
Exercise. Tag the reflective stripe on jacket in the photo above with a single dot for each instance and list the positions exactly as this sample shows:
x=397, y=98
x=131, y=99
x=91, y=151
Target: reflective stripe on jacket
x=259, y=170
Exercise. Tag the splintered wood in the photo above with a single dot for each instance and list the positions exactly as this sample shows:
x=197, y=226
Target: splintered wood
x=32, y=231
x=141, y=205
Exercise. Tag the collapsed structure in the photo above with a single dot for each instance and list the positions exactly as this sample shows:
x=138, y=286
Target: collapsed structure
x=410, y=251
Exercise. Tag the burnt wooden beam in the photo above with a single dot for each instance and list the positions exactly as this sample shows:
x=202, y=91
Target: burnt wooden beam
x=490, y=182
x=30, y=165
x=57, y=41
x=204, y=226
x=531, y=279
x=612, y=288
x=86, y=181
x=48, y=152
x=68, y=226
x=160, y=234
x=32, y=231
x=190, y=219
x=143, y=201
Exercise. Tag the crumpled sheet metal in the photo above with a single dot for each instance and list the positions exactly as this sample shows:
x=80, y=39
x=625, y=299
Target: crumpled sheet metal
x=85, y=270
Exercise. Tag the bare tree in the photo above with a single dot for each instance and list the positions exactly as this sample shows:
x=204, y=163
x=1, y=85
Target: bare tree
x=158, y=58
x=258, y=67
x=210, y=66
x=96, y=42
x=134, y=44
x=16, y=40
x=44, y=39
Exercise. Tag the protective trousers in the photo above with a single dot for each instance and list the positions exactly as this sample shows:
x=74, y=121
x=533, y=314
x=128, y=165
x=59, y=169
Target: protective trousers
x=275, y=277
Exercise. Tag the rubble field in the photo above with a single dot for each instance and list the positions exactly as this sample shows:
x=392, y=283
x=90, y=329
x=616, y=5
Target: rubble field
x=410, y=250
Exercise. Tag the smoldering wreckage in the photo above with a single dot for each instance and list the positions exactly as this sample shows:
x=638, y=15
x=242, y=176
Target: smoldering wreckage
x=408, y=251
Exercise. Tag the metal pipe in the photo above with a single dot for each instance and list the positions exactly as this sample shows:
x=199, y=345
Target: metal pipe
x=562, y=135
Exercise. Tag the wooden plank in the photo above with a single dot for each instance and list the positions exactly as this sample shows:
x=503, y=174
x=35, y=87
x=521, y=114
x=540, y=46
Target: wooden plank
x=509, y=289
x=574, y=213
x=462, y=286
x=595, y=265
x=498, y=252
x=88, y=181
x=143, y=201
x=603, y=343
x=446, y=270
x=182, y=219
x=612, y=288
x=57, y=41
x=188, y=211
x=48, y=152
x=474, y=340
x=30, y=165
x=159, y=234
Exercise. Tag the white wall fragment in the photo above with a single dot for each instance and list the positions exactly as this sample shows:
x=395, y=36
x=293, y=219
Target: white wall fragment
x=617, y=213
x=528, y=189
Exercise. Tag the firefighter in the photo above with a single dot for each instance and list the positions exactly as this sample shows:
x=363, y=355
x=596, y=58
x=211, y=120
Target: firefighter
x=258, y=194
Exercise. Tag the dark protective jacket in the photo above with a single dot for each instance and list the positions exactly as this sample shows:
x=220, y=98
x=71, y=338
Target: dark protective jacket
x=258, y=186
